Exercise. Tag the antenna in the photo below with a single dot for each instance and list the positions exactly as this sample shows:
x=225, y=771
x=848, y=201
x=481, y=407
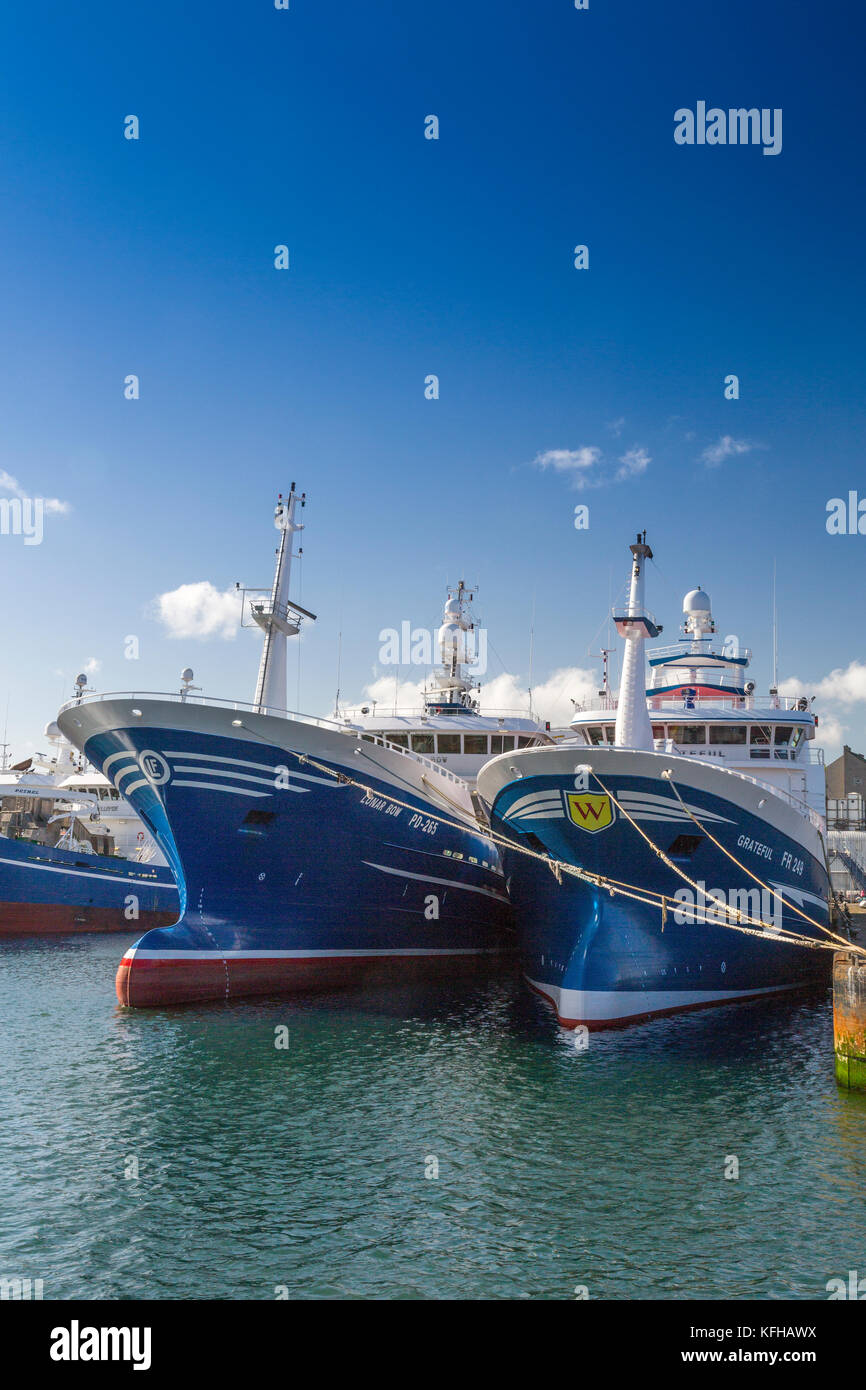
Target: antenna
x=4, y=746
x=605, y=691
x=775, y=633
x=531, y=649
x=339, y=670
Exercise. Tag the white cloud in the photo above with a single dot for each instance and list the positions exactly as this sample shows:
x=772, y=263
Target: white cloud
x=199, y=610
x=92, y=665
x=551, y=699
x=49, y=504
x=587, y=466
x=632, y=463
x=725, y=448
x=845, y=687
x=577, y=463
x=616, y=427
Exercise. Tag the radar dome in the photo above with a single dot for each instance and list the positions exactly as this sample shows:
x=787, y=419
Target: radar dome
x=52, y=730
x=696, y=601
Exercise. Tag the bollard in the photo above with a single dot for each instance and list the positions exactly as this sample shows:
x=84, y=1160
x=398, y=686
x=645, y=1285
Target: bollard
x=849, y=1019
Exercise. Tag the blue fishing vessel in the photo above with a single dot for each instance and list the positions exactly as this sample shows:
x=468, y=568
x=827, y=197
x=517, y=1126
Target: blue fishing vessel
x=310, y=852
x=671, y=853
x=74, y=857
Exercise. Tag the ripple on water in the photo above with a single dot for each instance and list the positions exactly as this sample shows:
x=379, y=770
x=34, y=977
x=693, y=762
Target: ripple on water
x=305, y=1167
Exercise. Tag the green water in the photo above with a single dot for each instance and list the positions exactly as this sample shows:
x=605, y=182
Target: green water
x=304, y=1168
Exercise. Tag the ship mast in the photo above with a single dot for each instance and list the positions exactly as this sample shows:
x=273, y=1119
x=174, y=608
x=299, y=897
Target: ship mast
x=633, y=727
x=276, y=616
x=453, y=689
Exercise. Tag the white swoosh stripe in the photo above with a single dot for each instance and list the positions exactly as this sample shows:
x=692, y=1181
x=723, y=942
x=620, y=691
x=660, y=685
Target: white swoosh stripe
x=113, y=757
x=88, y=873
x=448, y=882
x=531, y=798
x=228, y=772
x=217, y=787
x=243, y=762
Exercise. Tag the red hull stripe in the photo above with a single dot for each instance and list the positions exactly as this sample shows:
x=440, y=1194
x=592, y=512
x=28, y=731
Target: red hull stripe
x=59, y=919
x=145, y=983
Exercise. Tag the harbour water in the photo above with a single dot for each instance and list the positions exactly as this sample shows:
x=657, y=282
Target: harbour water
x=309, y=1170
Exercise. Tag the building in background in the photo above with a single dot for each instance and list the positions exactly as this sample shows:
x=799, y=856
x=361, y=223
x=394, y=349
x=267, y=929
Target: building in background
x=846, y=792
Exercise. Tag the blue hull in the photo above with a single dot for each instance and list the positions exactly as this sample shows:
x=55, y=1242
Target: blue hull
x=51, y=891
x=307, y=885
x=603, y=960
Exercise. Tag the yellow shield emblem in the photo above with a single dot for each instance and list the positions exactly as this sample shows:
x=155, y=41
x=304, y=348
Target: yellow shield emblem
x=590, y=811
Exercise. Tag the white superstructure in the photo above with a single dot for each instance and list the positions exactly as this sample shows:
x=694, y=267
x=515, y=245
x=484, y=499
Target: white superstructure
x=699, y=703
x=450, y=728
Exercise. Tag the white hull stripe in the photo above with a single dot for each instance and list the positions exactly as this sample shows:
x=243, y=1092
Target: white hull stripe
x=113, y=757
x=597, y=1004
x=214, y=787
x=135, y=953
x=238, y=776
x=796, y=895
x=242, y=762
x=88, y=873
x=447, y=882
x=122, y=772
x=523, y=803
x=654, y=807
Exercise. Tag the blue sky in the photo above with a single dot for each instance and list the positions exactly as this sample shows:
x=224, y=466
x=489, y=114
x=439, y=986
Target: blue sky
x=409, y=257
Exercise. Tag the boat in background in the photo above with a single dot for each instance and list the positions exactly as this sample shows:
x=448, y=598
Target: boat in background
x=686, y=866
x=74, y=856
x=311, y=853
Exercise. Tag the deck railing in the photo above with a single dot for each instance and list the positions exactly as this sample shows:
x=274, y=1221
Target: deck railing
x=244, y=706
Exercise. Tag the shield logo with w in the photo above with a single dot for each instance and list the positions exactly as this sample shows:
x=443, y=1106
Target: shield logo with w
x=590, y=811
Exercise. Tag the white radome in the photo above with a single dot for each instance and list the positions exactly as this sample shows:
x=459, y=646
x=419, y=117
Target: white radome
x=696, y=601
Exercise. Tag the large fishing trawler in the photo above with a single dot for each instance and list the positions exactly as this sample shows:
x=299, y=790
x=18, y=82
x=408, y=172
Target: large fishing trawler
x=677, y=854
x=310, y=852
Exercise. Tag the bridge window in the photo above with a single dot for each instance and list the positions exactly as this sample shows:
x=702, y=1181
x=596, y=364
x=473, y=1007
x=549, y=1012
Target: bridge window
x=689, y=733
x=475, y=743
x=423, y=743
x=449, y=743
x=401, y=740
x=727, y=733
x=760, y=737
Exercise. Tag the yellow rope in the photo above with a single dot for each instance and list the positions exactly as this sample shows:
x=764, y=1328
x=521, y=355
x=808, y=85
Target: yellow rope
x=778, y=932
x=616, y=887
x=811, y=920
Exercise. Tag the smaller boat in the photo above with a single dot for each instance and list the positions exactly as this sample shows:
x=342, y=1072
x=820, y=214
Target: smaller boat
x=74, y=856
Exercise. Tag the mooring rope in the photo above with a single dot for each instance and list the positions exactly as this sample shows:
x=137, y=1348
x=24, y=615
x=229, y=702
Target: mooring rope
x=778, y=932
x=616, y=887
